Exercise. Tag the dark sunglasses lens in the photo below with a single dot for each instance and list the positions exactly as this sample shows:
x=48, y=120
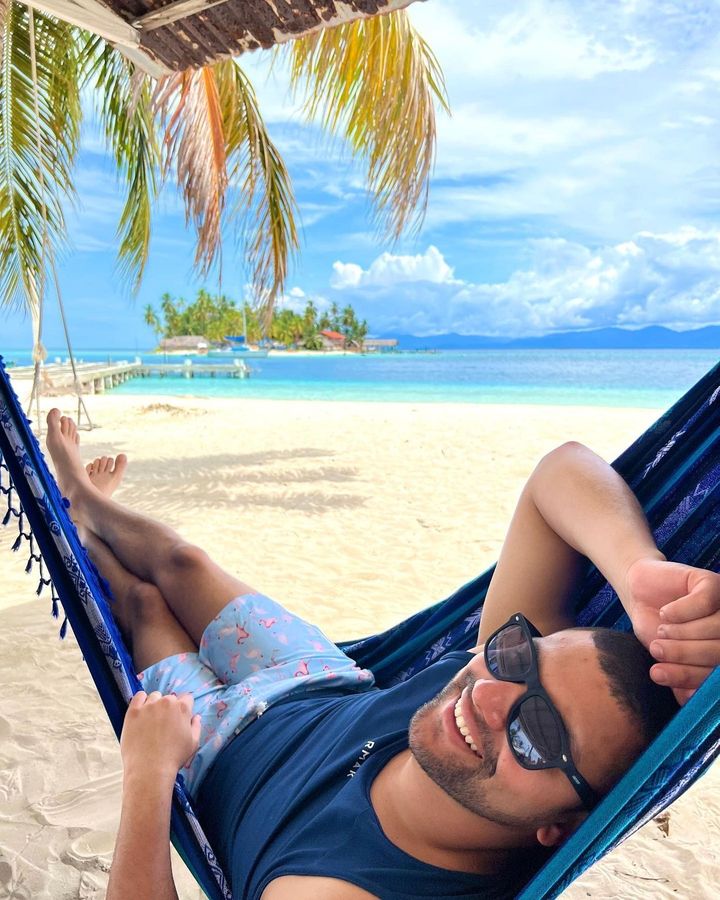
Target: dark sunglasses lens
x=509, y=653
x=535, y=734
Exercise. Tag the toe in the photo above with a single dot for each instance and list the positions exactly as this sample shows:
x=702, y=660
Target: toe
x=89, y=468
x=104, y=463
x=53, y=417
x=120, y=463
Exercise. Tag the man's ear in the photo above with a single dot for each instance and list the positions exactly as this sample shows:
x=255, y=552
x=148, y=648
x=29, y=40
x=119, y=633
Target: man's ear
x=555, y=834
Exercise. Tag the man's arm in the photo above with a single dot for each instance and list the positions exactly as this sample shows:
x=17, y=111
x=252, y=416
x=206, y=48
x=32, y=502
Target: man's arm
x=141, y=862
x=159, y=735
x=573, y=506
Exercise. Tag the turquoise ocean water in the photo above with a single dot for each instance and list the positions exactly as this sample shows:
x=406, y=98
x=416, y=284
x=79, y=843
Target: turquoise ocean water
x=630, y=378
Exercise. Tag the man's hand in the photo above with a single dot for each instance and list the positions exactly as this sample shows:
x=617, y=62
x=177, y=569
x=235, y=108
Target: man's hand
x=675, y=612
x=159, y=733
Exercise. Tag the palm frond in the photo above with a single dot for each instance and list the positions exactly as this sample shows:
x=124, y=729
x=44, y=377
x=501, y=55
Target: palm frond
x=21, y=195
x=265, y=206
x=124, y=104
x=4, y=12
x=189, y=106
x=376, y=82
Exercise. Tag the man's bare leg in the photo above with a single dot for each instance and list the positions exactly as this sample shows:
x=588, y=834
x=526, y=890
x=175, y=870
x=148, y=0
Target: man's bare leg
x=147, y=624
x=195, y=588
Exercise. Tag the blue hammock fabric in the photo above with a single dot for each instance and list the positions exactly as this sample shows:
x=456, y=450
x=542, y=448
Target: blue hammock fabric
x=674, y=468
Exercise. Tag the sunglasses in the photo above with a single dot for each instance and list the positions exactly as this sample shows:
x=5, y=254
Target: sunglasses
x=536, y=732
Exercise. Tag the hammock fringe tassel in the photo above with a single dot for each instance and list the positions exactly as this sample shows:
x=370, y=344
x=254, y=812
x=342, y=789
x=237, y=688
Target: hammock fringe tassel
x=15, y=510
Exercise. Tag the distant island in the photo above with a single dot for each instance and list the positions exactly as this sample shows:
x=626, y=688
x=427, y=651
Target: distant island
x=215, y=323
x=654, y=337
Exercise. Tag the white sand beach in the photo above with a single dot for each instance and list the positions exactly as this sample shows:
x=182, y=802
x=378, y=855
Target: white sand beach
x=354, y=515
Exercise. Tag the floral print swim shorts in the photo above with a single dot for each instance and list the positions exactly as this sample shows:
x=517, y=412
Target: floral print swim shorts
x=251, y=655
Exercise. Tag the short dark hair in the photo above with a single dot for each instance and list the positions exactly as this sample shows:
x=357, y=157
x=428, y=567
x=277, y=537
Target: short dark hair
x=626, y=663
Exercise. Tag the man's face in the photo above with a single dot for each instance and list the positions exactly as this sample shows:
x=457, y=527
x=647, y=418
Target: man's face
x=490, y=781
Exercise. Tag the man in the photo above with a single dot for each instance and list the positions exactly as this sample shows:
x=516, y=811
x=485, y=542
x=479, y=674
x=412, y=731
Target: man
x=449, y=784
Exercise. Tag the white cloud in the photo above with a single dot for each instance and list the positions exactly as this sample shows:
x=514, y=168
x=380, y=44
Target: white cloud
x=389, y=269
x=534, y=40
x=656, y=278
x=601, y=115
x=346, y=275
x=296, y=300
x=312, y=213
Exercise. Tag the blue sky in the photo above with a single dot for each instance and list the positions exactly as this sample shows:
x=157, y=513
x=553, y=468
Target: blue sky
x=577, y=185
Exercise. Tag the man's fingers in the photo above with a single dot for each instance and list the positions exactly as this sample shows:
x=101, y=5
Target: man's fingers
x=693, y=653
x=697, y=605
x=676, y=676
x=137, y=700
x=186, y=701
x=154, y=696
x=682, y=696
x=195, y=727
x=696, y=630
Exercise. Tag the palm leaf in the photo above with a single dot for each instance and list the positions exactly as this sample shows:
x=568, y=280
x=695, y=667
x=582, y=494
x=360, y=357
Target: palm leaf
x=376, y=82
x=22, y=199
x=124, y=102
x=4, y=12
x=265, y=205
x=189, y=106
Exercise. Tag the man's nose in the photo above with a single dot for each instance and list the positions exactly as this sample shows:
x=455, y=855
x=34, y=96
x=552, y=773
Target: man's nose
x=493, y=699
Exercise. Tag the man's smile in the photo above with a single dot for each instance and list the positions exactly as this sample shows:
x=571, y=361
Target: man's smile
x=461, y=725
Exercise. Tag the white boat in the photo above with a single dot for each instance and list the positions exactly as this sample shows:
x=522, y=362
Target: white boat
x=238, y=346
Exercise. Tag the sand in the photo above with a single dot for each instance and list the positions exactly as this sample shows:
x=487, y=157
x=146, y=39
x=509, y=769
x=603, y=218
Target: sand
x=353, y=514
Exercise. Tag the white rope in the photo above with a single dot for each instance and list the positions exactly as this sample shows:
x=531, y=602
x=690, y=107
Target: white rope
x=39, y=352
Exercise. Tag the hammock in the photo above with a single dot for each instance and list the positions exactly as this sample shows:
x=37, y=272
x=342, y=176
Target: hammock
x=674, y=469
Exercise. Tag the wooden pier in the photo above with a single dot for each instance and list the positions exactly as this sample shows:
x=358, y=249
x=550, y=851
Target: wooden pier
x=236, y=369
x=96, y=378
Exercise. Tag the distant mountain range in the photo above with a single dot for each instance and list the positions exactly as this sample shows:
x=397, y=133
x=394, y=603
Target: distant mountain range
x=654, y=337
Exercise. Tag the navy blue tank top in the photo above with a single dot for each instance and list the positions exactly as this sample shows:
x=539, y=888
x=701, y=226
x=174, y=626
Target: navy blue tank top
x=290, y=795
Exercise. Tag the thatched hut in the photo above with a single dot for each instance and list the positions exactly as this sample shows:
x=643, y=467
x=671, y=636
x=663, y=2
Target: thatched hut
x=187, y=343
x=170, y=36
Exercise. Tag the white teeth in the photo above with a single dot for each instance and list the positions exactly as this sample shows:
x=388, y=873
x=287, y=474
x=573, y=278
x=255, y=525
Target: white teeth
x=463, y=729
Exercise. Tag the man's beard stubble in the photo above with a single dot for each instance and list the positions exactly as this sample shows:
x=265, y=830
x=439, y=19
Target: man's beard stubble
x=464, y=782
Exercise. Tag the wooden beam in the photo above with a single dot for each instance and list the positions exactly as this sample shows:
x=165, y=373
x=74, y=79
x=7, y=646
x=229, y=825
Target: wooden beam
x=97, y=18
x=92, y=16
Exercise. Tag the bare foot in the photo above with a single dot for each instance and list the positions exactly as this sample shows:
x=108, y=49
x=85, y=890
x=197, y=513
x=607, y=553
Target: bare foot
x=63, y=443
x=107, y=473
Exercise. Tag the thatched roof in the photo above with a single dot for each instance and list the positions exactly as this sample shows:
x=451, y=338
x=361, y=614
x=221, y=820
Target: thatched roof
x=178, y=34
x=185, y=342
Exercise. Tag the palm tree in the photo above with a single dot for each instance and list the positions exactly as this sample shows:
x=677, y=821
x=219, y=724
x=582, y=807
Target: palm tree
x=204, y=127
x=150, y=318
